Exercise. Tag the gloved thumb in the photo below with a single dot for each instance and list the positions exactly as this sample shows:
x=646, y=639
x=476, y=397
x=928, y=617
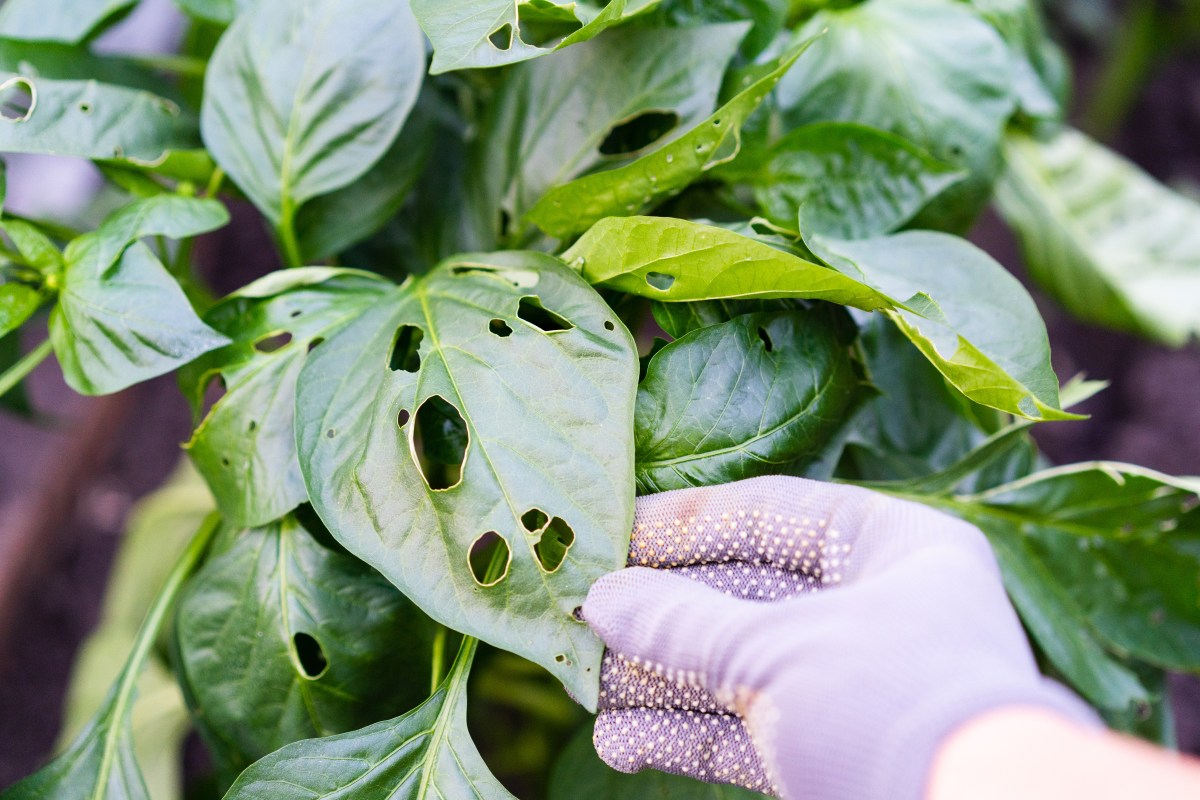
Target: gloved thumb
x=673, y=625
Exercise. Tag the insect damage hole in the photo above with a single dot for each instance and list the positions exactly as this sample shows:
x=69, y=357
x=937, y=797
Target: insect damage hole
x=500, y=328
x=532, y=311
x=551, y=549
x=638, y=132
x=660, y=280
x=534, y=520
x=489, y=558
x=310, y=655
x=502, y=37
x=18, y=98
x=439, y=443
x=273, y=341
x=405, y=346
x=766, y=339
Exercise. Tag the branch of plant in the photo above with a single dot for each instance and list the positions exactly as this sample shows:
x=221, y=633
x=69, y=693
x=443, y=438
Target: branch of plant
x=17, y=372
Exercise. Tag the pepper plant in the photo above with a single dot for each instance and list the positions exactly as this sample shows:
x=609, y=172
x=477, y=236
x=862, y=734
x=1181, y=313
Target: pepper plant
x=538, y=258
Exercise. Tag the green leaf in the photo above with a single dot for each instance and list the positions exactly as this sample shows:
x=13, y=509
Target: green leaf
x=761, y=394
x=974, y=322
x=121, y=318
x=930, y=71
x=426, y=752
x=284, y=639
x=548, y=416
x=245, y=447
x=468, y=34
x=67, y=21
x=768, y=18
x=1110, y=243
x=221, y=12
x=679, y=319
x=14, y=400
x=301, y=98
x=579, y=774
x=664, y=79
x=91, y=120
x=1041, y=76
x=573, y=207
x=852, y=181
x=18, y=301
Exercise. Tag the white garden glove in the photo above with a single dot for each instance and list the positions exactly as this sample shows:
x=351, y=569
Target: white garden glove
x=804, y=639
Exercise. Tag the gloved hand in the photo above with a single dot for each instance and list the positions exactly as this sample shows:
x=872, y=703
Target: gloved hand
x=885, y=625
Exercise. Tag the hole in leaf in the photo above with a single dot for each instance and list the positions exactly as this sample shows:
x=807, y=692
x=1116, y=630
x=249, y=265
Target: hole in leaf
x=609, y=326
x=402, y=417
x=560, y=658
x=552, y=548
x=85, y=108
x=214, y=390
x=404, y=349
x=520, y=278
x=252, y=427
x=312, y=345
x=766, y=340
x=272, y=342
x=489, y=558
x=440, y=439
x=332, y=432
x=532, y=311
x=638, y=132
x=295, y=313
x=499, y=327
x=501, y=38
x=534, y=519
x=16, y=99
x=225, y=462
x=503, y=222
x=309, y=654
x=660, y=280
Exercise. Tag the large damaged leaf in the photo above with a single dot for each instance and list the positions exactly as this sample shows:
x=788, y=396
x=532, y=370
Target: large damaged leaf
x=487, y=404
x=245, y=446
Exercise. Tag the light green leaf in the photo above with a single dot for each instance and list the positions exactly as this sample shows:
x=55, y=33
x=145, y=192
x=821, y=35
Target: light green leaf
x=67, y=21
x=92, y=120
x=931, y=71
x=35, y=247
x=974, y=322
x=245, y=446
x=283, y=639
x=664, y=78
x=18, y=300
x=121, y=318
x=468, y=34
x=573, y=207
x=1110, y=243
x=547, y=414
x=760, y=394
x=852, y=181
x=1041, y=75
x=301, y=98
x=427, y=752
x=579, y=774
x=221, y=12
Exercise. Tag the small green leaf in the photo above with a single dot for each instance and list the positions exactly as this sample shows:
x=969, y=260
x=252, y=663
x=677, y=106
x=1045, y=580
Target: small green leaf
x=283, y=639
x=468, y=34
x=35, y=247
x=68, y=21
x=18, y=301
x=760, y=394
x=930, y=71
x=245, y=446
x=573, y=207
x=852, y=181
x=301, y=98
x=427, y=752
x=121, y=318
x=579, y=774
x=651, y=84
x=541, y=374
x=221, y=12
x=1110, y=243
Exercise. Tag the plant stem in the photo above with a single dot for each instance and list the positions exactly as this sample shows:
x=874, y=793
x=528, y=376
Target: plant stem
x=1128, y=65
x=287, y=235
x=179, y=65
x=17, y=372
x=214, y=182
x=439, y=658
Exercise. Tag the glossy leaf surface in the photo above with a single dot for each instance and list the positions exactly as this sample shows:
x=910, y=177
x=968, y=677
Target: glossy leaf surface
x=245, y=446
x=1039, y=67
x=67, y=21
x=284, y=639
x=425, y=753
x=760, y=394
x=1110, y=243
x=541, y=376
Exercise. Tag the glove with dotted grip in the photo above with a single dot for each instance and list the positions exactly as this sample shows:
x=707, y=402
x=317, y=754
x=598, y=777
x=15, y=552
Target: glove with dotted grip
x=804, y=639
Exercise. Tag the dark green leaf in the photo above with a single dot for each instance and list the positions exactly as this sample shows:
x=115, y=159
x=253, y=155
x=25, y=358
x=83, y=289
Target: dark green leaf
x=760, y=394
x=1110, y=243
x=851, y=180
x=468, y=34
x=301, y=98
x=573, y=207
x=245, y=446
x=67, y=21
x=548, y=415
x=91, y=120
x=929, y=70
x=427, y=752
x=283, y=639
x=974, y=321
x=1040, y=71
x=767, y=16
x=579, y=774
x=678, y=319
x=523, y=151
x=14, y=399
x=121, y=318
